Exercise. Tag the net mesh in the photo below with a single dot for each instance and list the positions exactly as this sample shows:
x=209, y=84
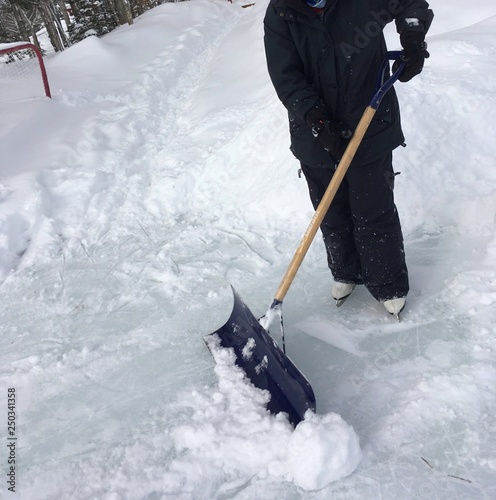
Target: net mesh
x=20, y=75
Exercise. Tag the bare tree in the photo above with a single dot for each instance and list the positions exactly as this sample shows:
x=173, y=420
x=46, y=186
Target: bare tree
x=53, y=7
x=124, y=11
x=50, y=22
x=21, y=19
x=63, y=10
x=9, y=29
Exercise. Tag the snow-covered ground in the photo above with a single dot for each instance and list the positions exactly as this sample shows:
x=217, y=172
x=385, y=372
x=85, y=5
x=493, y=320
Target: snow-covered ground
x=158, y=175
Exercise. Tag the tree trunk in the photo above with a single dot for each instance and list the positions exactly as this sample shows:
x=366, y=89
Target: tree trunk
x=124, y=11
x=30, y=24
x=65, y=14
x=21, y=22
x=36, y=42
x=60, y=29
x=129, y=12
x=52, y=31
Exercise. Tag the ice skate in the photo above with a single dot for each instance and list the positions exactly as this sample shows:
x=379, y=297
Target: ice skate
x=395, y=306
x=341, y=291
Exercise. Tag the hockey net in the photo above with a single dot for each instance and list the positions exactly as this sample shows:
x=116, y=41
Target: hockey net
x=22, y=72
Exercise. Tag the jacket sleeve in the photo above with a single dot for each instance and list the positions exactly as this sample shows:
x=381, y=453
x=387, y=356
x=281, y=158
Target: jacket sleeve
x=286, y=69
x=411, y=15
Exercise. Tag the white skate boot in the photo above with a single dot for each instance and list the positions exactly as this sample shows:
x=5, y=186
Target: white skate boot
x=395, y=306
x=341, y=291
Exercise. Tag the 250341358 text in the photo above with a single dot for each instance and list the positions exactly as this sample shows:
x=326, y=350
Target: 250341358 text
x=11, y=440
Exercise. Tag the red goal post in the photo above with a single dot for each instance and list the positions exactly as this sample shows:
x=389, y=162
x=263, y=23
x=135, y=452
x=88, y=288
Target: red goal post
x=22, y=72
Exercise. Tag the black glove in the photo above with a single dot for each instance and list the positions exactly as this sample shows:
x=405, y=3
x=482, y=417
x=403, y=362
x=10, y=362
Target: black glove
x=413, y=55
x=333, y=136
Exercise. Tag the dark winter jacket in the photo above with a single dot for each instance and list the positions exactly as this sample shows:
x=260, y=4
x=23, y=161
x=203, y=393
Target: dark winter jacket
x=333, y=59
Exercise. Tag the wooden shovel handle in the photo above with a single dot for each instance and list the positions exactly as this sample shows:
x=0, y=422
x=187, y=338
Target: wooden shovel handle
x=325, y=203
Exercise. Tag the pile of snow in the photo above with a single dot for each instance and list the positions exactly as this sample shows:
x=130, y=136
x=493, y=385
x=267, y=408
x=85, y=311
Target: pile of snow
x=230, y=430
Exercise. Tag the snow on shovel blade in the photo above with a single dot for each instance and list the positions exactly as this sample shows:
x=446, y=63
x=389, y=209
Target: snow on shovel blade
x=265, y=364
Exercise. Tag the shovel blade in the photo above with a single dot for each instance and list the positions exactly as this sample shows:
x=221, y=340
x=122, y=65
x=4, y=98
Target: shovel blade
x=265, y=364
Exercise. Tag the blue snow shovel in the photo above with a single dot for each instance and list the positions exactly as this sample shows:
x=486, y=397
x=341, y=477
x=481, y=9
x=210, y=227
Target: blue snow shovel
x=256, y=352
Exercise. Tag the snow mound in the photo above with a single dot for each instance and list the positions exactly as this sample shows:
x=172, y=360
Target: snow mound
x=231, y=431
x=321, y=450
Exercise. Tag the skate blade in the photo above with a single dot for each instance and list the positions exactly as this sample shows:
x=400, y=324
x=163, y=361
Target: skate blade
x=397, y=315
x=342, y=300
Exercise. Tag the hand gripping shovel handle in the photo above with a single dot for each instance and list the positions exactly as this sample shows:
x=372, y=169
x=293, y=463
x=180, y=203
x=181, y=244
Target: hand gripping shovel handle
x=368, y=115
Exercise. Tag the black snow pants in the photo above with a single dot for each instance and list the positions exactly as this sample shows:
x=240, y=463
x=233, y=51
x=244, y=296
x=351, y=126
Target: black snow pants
x=361, y=230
